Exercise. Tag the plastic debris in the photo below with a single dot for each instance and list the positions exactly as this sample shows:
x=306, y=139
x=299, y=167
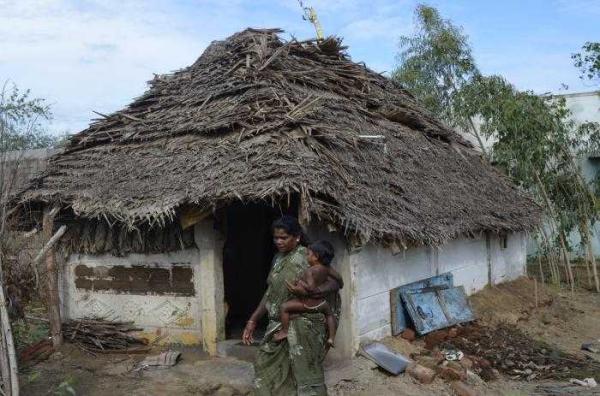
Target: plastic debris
x=453, y=355
x=164, y=360
x=587, y=382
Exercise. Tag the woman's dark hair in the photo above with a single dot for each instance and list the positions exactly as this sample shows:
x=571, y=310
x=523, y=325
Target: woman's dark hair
x=291, y=226
x=323, y=250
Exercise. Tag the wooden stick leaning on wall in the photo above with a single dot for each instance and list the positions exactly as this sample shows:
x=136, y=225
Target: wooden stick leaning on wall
x=10, y=371
x=52, y=273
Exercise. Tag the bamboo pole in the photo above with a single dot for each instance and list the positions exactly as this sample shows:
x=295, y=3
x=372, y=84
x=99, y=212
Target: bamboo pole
x=52, y=279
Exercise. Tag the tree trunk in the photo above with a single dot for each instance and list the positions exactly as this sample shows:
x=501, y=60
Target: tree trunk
x=554, y=272
x=590, y=252
x=561, y=233
x=584, y=223
x=565, y=252
x=52, y=283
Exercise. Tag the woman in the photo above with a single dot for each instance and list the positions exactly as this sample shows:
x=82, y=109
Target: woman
x=292, y=366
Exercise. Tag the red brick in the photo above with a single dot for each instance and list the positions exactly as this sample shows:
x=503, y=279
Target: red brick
x=409, y=335
x=452, y=371
x=466, y=363
x=434, y=339
x=422, y=374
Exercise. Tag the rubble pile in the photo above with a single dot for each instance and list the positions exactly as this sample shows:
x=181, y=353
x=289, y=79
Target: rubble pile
x=517, y=355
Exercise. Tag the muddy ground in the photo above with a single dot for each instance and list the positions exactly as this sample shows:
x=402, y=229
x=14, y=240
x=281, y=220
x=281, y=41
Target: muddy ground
x=561, y=320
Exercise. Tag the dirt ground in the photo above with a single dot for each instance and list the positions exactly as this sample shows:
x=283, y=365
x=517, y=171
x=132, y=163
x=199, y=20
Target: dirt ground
x=561, y=320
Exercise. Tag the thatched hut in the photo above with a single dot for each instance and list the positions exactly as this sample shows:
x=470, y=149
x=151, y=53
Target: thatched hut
x=168, y=202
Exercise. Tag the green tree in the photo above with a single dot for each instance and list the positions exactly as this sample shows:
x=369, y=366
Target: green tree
x=435, y=64
x=21, y=119
x=588, y=61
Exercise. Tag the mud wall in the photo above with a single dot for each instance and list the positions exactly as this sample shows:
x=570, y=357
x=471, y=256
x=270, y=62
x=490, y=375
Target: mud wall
x=159, y=292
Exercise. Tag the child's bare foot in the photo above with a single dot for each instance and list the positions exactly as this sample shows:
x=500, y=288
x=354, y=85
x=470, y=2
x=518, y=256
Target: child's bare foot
x=330, y=343
x=280, y=335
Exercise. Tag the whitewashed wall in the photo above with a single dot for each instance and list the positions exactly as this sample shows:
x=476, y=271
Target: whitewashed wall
x=176, y=317
x=378, y=271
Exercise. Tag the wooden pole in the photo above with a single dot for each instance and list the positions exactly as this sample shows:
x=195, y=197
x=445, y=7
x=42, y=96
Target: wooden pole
x=303, y=213
x=541, y=268
x=11, y=381
x=535, y=291
x=52, y=276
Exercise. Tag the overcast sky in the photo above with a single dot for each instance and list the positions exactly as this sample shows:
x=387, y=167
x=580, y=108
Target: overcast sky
x=84, y=55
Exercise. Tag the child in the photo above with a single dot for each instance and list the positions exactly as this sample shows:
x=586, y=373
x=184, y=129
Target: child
x=319, y=257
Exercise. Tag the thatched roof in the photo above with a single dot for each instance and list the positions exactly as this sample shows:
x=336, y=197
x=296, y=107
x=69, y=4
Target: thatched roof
x=256, y=117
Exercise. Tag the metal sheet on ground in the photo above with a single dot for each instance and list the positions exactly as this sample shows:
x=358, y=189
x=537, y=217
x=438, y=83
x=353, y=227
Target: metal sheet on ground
x=385, y=358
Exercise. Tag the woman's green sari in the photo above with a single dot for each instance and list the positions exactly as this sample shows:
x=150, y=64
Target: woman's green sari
x=292, y=367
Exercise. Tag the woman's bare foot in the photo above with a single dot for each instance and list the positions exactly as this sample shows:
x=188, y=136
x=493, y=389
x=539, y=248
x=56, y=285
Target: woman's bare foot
x=330, y=343
x=280, y=335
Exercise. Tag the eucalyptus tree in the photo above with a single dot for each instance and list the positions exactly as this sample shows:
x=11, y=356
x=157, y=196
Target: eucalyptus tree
x=434, y=64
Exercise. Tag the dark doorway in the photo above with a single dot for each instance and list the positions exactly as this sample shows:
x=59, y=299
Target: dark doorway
x=247, y=256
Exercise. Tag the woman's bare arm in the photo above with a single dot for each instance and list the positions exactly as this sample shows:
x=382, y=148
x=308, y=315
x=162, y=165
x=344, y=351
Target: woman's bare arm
x=259, y=312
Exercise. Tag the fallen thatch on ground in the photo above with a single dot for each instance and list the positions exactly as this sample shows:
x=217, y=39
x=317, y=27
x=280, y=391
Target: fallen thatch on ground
x=257, y=118
x=103, y=336
x=519, y=356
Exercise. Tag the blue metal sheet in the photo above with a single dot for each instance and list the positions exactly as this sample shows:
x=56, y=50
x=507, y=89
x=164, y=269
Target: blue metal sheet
x=400, y=318
x=425, y=310
x=434, y=308
x=456, y=306
x=385, y=358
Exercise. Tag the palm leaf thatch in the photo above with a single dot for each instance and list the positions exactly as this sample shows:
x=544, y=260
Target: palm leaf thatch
x=255, y=118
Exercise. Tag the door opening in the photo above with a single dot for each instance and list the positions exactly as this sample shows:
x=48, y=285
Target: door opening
x=247, y=256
